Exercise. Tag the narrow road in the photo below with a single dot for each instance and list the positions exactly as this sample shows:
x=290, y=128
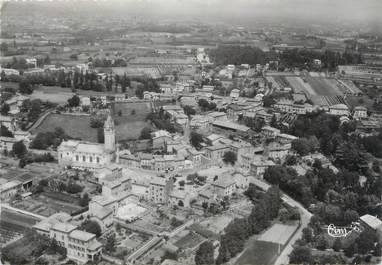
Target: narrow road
x=305, y=219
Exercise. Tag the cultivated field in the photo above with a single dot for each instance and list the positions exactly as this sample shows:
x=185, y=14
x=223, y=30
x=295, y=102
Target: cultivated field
x=49, y=203
x=13, y=224
x=323, y=86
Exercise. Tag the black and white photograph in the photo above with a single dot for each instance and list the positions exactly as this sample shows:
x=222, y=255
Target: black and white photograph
x=190, y=132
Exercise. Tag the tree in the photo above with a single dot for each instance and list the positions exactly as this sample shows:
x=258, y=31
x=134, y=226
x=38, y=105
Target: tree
x=196, y=139
x=188, y=110
x=268, y=101
x=321, y=242
x=169, y=255
x=34, y=109
x=350, y=216
x=100, y=135
x=84, y=201
x=25, y=87
x=5, y=132
x=351, y=250
x=73, y=188
x=180, y=203
x=145, y=133
x=92, y=227
x=230, y=157
x=337, y=245
x=74, y=101
x=205, y=254
x=307, y=234
x=290, y=160
x=366, y=241
x=4, y=109
x=300, y=255
x=19, y=149
x=110, y=243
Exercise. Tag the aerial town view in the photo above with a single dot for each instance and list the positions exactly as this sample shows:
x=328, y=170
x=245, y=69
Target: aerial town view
x=170, y=132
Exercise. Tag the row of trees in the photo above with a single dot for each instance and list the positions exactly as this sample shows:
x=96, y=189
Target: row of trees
x=238, y=55
x=303, y=58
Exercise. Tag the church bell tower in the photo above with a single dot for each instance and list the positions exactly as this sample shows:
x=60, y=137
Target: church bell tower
x=109, y=132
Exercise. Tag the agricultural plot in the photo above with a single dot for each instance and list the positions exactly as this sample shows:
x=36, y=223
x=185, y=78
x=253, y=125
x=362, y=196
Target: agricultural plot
x=323, y=86
x=13, y=224
x=47, y=204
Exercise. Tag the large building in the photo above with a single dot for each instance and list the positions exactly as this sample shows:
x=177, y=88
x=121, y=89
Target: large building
x=81, y=246
x=87, y=155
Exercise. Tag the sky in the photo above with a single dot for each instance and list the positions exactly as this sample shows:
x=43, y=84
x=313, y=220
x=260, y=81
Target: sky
x=331, y=10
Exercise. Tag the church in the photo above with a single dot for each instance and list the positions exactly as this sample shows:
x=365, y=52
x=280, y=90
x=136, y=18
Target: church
x=87, y=155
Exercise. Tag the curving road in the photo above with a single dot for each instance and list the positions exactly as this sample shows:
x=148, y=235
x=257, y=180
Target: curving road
x=305, y=215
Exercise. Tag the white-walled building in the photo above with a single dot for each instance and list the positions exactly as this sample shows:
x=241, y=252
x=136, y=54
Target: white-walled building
x=86, y=155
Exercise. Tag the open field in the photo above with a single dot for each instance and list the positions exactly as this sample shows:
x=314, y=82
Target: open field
x=129, y=125
x=259, y=252
x=278, y=233
x=298, y=85
x=75, y=126
x=59, y=98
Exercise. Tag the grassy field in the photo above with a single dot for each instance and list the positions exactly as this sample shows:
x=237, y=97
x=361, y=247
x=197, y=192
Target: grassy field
x=259, y=252
x=129, y=125
x=278, y=233
x=74, y=126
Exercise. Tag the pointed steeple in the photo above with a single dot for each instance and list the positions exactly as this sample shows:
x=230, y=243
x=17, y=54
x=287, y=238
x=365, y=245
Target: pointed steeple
x=109, y=123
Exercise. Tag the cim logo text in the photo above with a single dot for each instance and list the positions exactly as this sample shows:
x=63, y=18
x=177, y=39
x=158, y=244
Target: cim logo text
x=343, y=231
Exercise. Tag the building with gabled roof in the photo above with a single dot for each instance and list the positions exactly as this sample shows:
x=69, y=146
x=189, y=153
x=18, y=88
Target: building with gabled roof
x=87, y=155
